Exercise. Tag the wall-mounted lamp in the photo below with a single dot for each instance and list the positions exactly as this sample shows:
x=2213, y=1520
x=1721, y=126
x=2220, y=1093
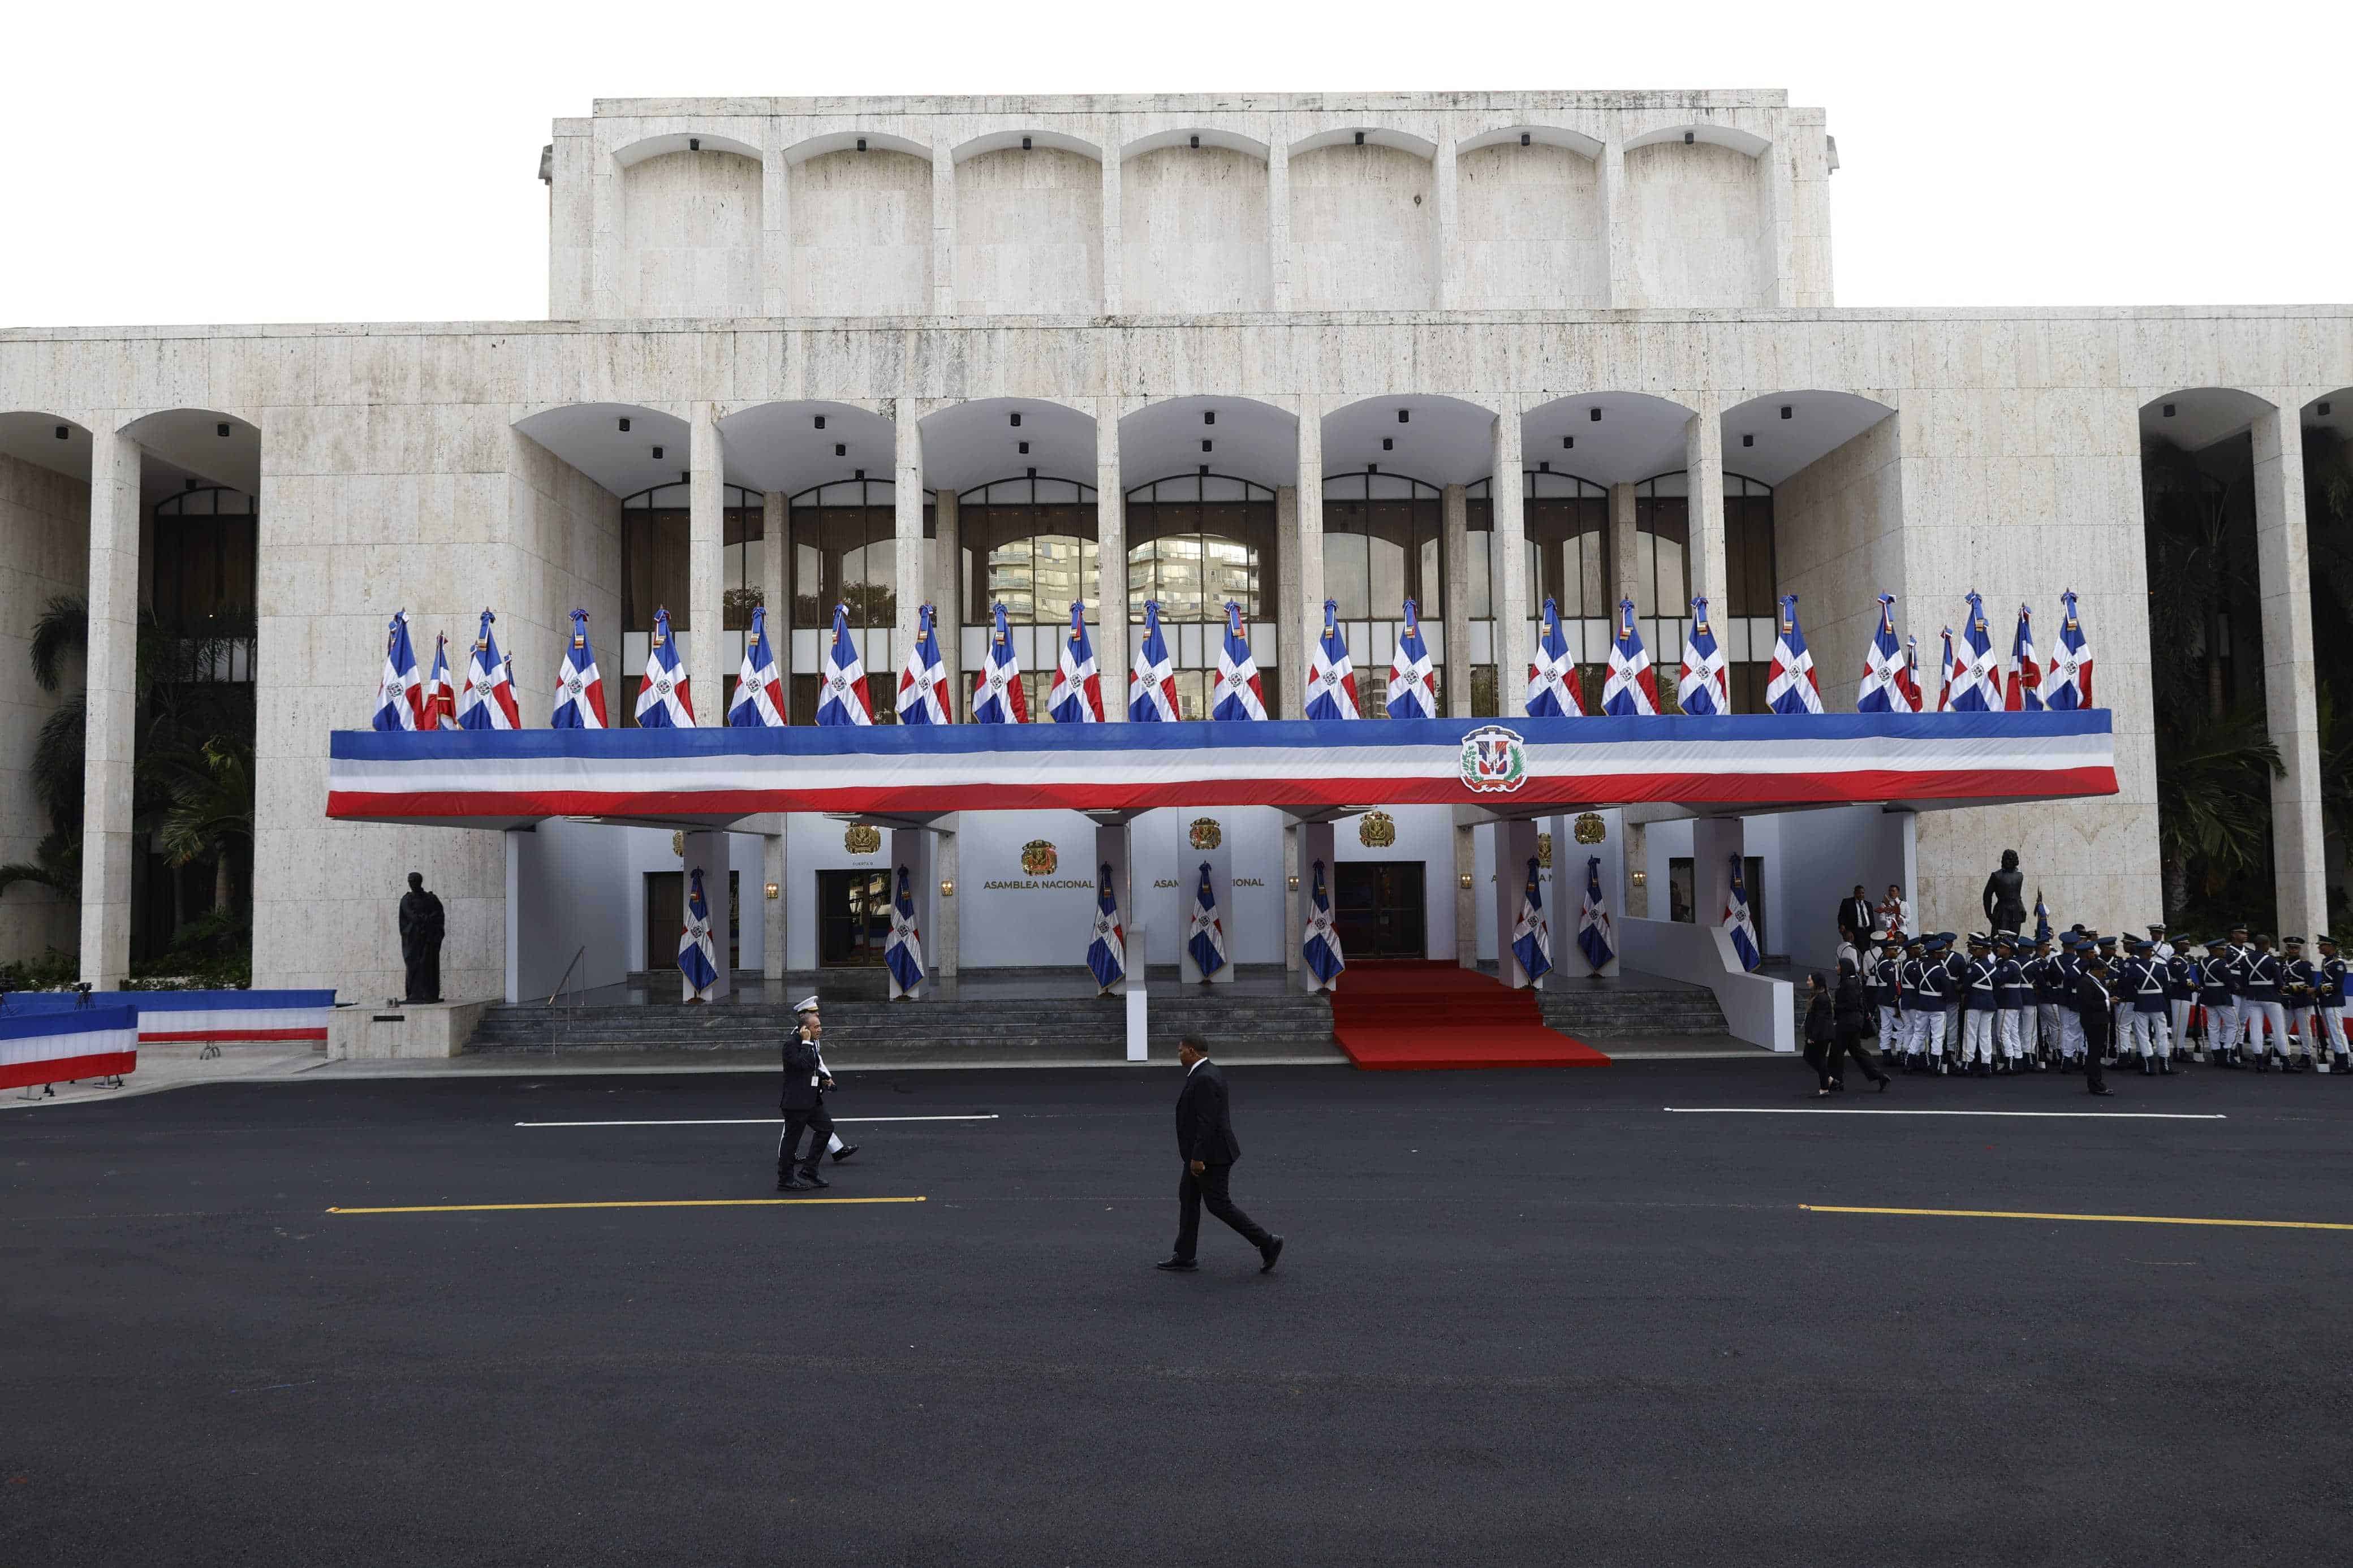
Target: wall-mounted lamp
x=1205, y=445
x=1464, y=881
x=1017, y=421
x=2168, y=411
x=1205, y=470
x=1210, y=416
x=1404, y=415
x=1545, y=468
x=1360, y=138
x=1387, y=445
x=1523, y=138
x=2323, y=408
x=685, y=477
x=1689, y=139
x=192, y=483
x=1639, y=879
x=858, y=473
x=861, y=143
x=1193, y=142
x=1788, y=412
x=1372, y=468
x=772, y=891
x=1291, y=883
x=1569, y=443
x=1748, y=440
x=694, y=144
x=821, y=421
x=1025, y=448
x=947, y=887
x=1025, y=143
x=61, y=433
x=1030, y=474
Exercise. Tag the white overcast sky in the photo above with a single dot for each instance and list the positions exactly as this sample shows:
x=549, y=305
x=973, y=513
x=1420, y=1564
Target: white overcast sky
x=229, y=162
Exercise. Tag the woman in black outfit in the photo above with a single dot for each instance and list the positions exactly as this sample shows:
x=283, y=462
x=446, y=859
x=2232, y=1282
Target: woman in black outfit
x=1854, y=1021
x=1821, y=1031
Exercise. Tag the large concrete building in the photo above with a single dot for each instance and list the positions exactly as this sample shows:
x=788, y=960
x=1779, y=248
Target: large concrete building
x=1474, y=349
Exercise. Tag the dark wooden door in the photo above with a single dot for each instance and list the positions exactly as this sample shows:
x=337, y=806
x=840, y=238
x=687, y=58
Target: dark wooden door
x=1378, y=907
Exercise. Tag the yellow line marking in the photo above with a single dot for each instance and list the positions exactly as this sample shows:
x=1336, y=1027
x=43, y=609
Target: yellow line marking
x=629, y=1203
x=2105, y=1218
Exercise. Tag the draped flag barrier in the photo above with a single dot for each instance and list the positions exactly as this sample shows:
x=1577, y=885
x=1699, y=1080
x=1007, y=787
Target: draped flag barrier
x=58, y=1045
x=207, y=1016
x=1515, y=766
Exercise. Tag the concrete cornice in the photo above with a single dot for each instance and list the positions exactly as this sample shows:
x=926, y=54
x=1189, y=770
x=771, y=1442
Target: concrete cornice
x=1192, y=102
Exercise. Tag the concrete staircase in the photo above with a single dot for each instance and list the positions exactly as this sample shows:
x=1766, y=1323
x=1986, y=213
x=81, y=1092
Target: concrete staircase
x=1611, y=1012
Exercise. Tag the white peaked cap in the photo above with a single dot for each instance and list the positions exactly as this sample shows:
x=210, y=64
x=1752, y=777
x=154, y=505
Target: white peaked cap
x=806, y=1005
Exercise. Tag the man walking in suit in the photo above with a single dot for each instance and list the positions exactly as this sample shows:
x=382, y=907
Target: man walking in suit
x=803, y=1103
x=1205, y=1143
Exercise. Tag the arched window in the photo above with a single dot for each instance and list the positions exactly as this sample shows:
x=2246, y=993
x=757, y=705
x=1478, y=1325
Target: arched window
x=655, y=533
x=1382, y=545
x=1027, y=543
x=1564, y=522
x=207, y=569
x=1197, y=542
x=846, y=551
x=1744, y=620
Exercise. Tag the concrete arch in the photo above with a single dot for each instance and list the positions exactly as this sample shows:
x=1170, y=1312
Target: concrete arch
x=1372, y=136
x=690, y=226
x=1193, y=227
x=1702, y=134
x=968, y=444
x=1248, y=440
x=210, y=443
x=810, y=147
x=1779, y=434
x=1029, y=225
x=1576, y=142
x=1441, y=441
x=1364, y=223
x=860, y=228
x=782, y=447
x=645, y=147
x=1208, y=135
x=588, y=436
x=2195, y=417
x=1698, y=219
x=51, y=441
x=1637, y=435
x=1012, y=137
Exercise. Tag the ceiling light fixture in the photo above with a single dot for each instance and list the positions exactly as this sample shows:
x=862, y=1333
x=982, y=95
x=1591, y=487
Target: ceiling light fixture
x=1523, y=138
x=1788, y=412
x=1388, y=444
x=1360, y=138
x=861, y=143
x=841, y=449
x=694, y=144
x=1569, y=443
x=821, y=421
x=2168, y=411
x=1748, y=440
x=1594, y=415
x=1025, y=143
x=221, y=429
x=1025, y=448
x=1688, y=138
x=624, y=424
x=1193, y=141
x=656, y=453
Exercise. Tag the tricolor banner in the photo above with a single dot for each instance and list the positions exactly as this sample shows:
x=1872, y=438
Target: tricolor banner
x=60, y=1047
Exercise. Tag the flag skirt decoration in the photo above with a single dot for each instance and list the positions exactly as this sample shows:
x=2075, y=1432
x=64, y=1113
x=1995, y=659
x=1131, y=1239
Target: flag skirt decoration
x=56, y=1047
x=493, y=778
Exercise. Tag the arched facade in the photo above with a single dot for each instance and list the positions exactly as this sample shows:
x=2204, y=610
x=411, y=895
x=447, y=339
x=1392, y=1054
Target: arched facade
x=861, y=233
x=1029, y=233
x=690, y=234
x=1697, y=229
x=1530, y=226
x=1193, y=230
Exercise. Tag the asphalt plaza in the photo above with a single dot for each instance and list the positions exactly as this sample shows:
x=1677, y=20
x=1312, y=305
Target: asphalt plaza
x=1522, y=1317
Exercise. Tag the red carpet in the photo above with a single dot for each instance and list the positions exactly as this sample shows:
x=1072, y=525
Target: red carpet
x=1410, y=1016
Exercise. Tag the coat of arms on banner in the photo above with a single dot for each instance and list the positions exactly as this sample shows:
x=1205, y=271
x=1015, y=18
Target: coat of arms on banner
x=1205, y=833
x=1591, y=828
x=1494, y=759
x=1039, y=858
x=1544, y=851
x=863, y=838
x=1376, y=830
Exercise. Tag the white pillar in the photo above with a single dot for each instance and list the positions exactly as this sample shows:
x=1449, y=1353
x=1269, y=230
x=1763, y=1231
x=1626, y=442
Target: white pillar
x=907, y=552
x=1278, y=218
x=1294, y=900
x=943, y=229
x=1449, y=270
x=706, y=556
x=110, y=738
x=706, y=851
x=1779, y=249
x=1292, y=636
x=776, y=234
x=1508, y=552
x=1623, y=542
x=515, y=843
x=947, y=592
x=1516, y=845
x=1115, y=254
x=1624, y=290
x=1309, y=504
x=1454, y=551
x=2283, y=577
x=1110, y=561
x=1704, y=463
x=1187, y=897
x=1464, y=890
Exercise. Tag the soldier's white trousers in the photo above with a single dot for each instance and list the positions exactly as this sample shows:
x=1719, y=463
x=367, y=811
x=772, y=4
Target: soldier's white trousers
x=2144, y=1034
x=2011, y=1031
x=2178, y=1019
x=2047, y=1027
x=1892, y=1031
x=1929, y=1033
x=2070, y=1032
x=2260, y=1016
x=1977, y=1036
x=2332, y=1030
x=2221, y=1027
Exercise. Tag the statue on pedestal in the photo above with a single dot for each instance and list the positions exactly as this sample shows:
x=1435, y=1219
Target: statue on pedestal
x=2005, y=895
x=421, y=926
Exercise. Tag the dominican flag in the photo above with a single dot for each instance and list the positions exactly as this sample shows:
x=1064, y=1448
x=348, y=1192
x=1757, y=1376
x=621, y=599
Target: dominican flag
x=1107, y=949
x=1701, y=686
x=579, y=685
x=1791, y=686
x=1884, y=668
x=1152, y=684
x=1076, y=697
x=1320, y=951
x=1413, y=684
x=1205, y=937
x=1593, y=920
x=759, y=694
x=902, y=954
x=1552, y=679
x=2024, y=691
x=843, y=696
x=698, y=963
x=1531, y=935
x=1331, y=679
x=924, y=684
x=1239, y=694
x=1978, y=679
x=2070, y=661
x=440, y=701
x=1949, y=674
x=1907, y=679
x=1632, y=689
x=489, y=700
x=399, y=695
x=997, y=694
x=1736, y=924
x=662, y=699
x=2042, y=919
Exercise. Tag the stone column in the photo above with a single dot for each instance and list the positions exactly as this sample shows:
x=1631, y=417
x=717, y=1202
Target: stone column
x=1115, y=254
x=1310, y=507
x=1111, y=643
x=948, y=590
x=1617, y=227
x=776, y=234
x=943, y=229
x=605, y=232
x=1454, y=553
x=111, y=736
x=1704, y=466
x=1637, y=850
x=1291, y=636
x=2299, y=866
x=1449, y=270
x=1516, y=845
x=776, y=597
x=907, y=551
x=1508, y=552
x=1278, y=218
x=706, y=576
x=1623, y=543
x=1779, y=174
x=946, y=856
x=775, y=872
x=1293, y=898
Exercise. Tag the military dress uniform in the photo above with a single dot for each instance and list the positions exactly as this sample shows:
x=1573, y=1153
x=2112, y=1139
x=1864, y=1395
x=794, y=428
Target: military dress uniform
x=1925, y=980
x=2267, y=1017
x=2075, y=955
x=2011, y=1002
x=1977, y=1007
x=2181, y=995
x=2329, y=995
x=2050, y=983
x=2297, y=997
x=2217, y=1002
x=1881, y=972
x=2143, y=984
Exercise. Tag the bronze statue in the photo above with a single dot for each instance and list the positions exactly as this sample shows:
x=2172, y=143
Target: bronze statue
x=421, y=925
x=2005, y=895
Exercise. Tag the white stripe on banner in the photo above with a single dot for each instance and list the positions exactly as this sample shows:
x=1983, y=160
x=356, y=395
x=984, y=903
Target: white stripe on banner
x=230, y=1023
x=25, y=1048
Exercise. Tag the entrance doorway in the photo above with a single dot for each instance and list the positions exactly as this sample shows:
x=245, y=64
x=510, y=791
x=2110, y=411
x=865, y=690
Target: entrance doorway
x=1379, y=909
x=666, y=918
x=853, y=918
x=1683, y=903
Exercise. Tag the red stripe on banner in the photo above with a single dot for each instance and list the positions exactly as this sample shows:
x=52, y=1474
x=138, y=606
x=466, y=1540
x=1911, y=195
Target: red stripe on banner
x=58, y=1069
x=317, y=1034
x=1860, y=786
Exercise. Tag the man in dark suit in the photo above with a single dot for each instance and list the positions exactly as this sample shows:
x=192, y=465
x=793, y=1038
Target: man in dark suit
x=1854, y=916
x=1205, y=1143
x=2095, y=1005
x=803, y=1103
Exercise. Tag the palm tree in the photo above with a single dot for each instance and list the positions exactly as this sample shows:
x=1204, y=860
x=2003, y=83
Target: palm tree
x=211, y=812
x=2213, y=803
x=55, y=865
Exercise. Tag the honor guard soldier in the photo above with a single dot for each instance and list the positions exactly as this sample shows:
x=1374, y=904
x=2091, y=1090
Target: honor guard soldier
x=2011, y=1001
x=1887, y=991
x=1923, y=990
x=2142, y=984
x=2156, y=939
x=2181, y=995
x=2050, y=983
x=2215, y=1000
x=1956, y=960
x=1977, y=1007
x=2296, y=997
x=2237, y=953
x=2072, y=956
x=2329, y=977
x=2266, y=1018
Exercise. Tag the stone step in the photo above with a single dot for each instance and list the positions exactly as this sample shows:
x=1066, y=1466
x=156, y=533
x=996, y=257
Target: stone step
x=1600, y=1014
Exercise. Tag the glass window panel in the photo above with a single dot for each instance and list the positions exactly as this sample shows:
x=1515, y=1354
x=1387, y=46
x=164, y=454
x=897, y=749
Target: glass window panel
x=1429, y=589
x=1347, y=572
x=1483, y=584
x=1387, y=560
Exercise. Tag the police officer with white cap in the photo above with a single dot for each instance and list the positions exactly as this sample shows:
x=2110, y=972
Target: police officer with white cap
x=802, y=1103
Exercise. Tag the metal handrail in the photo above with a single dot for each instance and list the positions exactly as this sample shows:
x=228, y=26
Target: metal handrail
x=567, y=974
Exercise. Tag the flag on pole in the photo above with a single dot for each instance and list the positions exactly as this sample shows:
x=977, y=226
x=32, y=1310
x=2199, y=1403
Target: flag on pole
x=488, y=701
x=1907, y=679
x=2042, y=919
x=997, y=697
x=1152, y=684
x=1593, y=934
x=440, y=701
x=1205, y=937
x=1980, y=674
x=2023, y=694
x=902, y=952
x=1331, y=677
x=697, y=963
x=1791, y=686
x=1701, y=686
x=759, y=690
x=1413, y=680
x=1077, y=694
x=2070, y=661
x=924, y=682
x=1107, y=949
x=399, y=695
x=1632, y=689
x=1884, y=668
x=1239, y=694
x=662, y=699
x=579, y=685
x=1553, y=689
x=1320, y=951
x=1737, y=923
x=1530, y=934
x=1948, y=674
x=842, y=691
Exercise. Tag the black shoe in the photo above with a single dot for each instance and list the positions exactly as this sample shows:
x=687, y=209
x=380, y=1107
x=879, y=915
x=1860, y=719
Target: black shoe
x=2343, y=1063
x=1270, y=1251
x=2165, y=1066
x=844, y=1152
x=786, y=1186
x=814, y=1179
x=1176, y=1265
x=1884, y=1083
x=2146, y=1069
x=2104, y=1091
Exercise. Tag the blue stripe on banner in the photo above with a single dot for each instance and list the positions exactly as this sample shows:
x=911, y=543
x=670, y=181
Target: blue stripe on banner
x=167, y=1001
x=897, y=740
x=22, y=1026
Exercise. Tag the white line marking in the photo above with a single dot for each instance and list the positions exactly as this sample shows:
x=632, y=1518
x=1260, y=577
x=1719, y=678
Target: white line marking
x=756, y=1121
x=1828, y=1111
